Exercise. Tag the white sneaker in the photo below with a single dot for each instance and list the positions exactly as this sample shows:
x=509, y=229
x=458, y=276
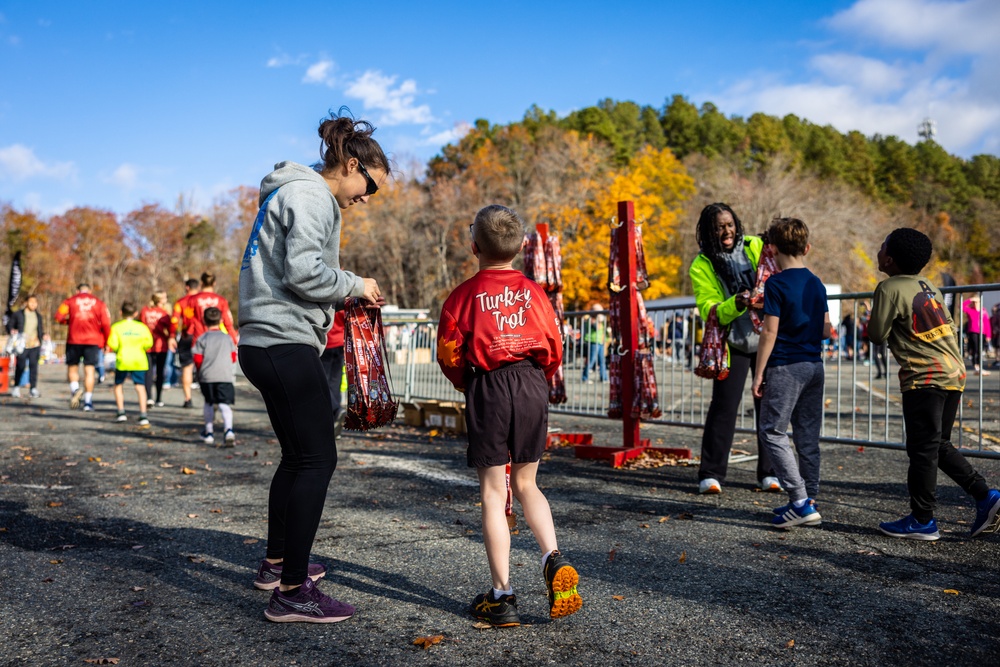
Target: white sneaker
x=35, y=393
x=121, y=417
x=207, y=438
x=771, y=484
x=15, y=392
x=709, y=486
x=230, y=436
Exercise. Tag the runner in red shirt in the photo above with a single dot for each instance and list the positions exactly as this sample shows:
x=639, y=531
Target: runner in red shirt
x=332, y=360
x=181, y=339
x=202, y=301
x=156, y=317
x=499, y=341
x=89, y=327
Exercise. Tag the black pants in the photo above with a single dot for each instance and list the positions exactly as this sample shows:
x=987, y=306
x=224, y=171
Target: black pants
x=881, y=367
x=929, y=414
x=157, y=364
x=29, y=357
x=297, y=395
x=333, y=365
x=976, y=343
x=720, y=422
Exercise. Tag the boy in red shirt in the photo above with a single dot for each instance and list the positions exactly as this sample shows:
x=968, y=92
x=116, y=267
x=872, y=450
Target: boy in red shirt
x=499, y=342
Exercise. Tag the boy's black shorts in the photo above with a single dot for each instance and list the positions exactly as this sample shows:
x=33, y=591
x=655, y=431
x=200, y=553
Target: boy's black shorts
x=218, y=392
x=506, y=415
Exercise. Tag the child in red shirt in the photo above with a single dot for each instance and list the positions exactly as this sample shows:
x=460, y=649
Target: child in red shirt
x=499, y=342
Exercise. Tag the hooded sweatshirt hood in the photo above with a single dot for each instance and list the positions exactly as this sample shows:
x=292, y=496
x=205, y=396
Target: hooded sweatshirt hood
x=291, y=279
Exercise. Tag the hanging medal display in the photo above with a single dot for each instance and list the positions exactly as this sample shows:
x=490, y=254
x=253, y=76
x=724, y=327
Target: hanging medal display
x=369, y=388
x=766, y=267
x=543, y=264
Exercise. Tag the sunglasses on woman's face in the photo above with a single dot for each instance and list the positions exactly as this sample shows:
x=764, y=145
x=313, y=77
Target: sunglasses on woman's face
x=372, y=185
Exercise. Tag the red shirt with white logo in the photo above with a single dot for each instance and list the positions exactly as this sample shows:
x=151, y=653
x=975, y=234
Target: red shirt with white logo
x=194, y=314
x=88, y=319
x=496, y=318
x=177, y=321
x=158, y=321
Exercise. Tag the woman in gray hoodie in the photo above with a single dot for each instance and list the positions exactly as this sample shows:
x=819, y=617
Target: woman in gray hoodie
x=290, y=282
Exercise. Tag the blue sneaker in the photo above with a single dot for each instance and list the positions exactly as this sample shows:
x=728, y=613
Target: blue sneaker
x=909, y=528
x=987, y=514
x=778, y=511
x=807, y=515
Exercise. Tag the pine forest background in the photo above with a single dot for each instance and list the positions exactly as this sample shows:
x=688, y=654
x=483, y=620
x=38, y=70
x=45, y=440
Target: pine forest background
x=568, y=172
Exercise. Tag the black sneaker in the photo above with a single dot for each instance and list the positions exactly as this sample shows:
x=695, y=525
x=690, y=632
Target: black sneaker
x=500, y=612
x=561, y=580
x=187, y=404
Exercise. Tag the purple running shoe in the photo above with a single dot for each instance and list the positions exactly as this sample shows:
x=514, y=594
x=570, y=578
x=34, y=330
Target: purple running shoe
x=306, y=604
x=269, y=574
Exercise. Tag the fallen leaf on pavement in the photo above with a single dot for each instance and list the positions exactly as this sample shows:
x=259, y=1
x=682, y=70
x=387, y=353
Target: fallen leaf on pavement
x=55, y=562
x=55, y=504
x=480, y=625
x=617, y=597
x=790, y=644
x=101, y=661
x=136, y=547
x=685, y=516
x=250, y=540
x=683, y=558
x=215, y=511
x=196, y=559
x=136, y=589
x=664, y=518
x=951, y=591
x=48, y=580
x=644, y=525
x=166, y=465
x=188, y=471
x=611, y=555
x=427, y=642
x=192, y=516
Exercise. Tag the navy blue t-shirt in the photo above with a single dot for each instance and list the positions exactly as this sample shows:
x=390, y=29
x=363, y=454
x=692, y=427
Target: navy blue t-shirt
x=798, y=299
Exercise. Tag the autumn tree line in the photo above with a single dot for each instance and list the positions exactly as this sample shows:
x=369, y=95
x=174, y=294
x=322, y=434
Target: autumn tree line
x=568, y=173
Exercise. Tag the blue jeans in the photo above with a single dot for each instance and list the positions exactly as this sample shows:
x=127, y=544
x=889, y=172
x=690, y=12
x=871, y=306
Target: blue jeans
x=596, y=357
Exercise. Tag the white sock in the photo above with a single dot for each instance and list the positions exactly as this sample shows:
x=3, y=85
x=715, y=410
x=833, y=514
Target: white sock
x=498, y=592
x=799, y=504
x=209, y=411
x=227, y=416
x=73, y=386
x=546, y=557
x=88, y=396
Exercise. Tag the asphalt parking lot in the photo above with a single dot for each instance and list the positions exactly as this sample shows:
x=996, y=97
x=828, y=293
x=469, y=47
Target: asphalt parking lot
x=140, y=544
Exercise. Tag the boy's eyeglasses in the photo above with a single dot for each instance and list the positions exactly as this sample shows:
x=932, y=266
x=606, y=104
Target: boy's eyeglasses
x=372, y=185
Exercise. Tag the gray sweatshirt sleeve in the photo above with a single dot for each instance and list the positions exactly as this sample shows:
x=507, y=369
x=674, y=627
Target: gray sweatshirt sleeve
x=312, y=240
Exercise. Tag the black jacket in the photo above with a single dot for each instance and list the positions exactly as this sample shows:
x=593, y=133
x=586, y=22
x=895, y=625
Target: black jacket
x=17, y=323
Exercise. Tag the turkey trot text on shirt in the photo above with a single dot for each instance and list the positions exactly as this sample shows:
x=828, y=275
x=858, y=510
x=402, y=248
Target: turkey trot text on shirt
x=494, y=319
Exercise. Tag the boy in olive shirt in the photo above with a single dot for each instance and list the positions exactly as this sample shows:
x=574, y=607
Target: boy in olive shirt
x=908, y=313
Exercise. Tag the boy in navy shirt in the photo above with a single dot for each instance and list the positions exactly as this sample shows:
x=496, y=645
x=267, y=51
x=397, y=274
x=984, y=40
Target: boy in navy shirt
x=498, y=341
x=789, y=360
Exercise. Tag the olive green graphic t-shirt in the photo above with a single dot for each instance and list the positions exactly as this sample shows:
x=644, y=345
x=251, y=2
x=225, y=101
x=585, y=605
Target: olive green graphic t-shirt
x=909, y=314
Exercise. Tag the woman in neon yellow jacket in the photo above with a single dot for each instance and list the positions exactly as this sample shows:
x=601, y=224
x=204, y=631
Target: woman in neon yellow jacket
x=722, y=275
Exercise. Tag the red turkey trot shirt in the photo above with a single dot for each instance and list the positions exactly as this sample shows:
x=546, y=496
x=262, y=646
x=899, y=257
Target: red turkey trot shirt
x=494, y=319
x=335, y=336
x=193, y=309
x=177, y=320
x=88, y=319
x=158, y=321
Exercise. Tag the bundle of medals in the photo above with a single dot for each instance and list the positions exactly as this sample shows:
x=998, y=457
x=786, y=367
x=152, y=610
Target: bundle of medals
x=369, y=389
x=543, y=264
x=766, y=267
x=645, y=402
x=714, y=359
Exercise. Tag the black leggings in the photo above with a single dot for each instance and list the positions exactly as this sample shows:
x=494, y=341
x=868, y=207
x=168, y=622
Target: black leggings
x=297, y=395
x=157, y=362
x=720, y=422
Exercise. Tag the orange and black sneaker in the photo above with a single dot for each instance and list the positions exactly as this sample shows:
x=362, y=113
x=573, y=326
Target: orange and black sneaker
x=499, y=612
x=561, y=580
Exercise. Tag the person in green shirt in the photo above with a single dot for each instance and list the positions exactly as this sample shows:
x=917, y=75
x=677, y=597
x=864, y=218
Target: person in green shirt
x=130, y=340
x=909, y=314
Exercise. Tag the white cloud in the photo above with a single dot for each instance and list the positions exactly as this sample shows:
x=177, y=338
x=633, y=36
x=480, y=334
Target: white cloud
x=18, y=162
x=320, y=72
x=952, y=76
x=375, y=90
x=447, y=136
x=125, y=176
x=34, y=201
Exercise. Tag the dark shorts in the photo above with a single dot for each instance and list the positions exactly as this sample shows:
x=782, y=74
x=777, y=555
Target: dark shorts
x=218, y=392
x=185, y=357
x=138, y=377
x=91, y=354
x=506, y=415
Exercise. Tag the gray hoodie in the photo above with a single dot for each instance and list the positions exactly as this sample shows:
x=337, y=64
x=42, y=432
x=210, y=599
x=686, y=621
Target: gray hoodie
x=291, y=274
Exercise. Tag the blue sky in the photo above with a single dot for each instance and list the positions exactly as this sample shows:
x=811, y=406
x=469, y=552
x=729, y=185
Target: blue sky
x=116, y=104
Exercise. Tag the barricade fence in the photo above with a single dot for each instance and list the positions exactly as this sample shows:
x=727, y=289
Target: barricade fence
x=862, y=400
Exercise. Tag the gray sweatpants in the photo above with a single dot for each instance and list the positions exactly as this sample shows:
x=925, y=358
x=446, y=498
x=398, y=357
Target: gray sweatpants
x=794, y=393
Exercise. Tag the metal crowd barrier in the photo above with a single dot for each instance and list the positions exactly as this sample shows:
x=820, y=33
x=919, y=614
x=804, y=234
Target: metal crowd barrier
x=862, y=399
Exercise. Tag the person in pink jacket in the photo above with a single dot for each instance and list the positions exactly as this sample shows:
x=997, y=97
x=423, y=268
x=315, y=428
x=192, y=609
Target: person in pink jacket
x=980, y=330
